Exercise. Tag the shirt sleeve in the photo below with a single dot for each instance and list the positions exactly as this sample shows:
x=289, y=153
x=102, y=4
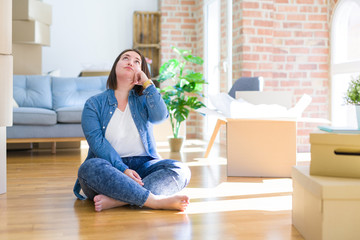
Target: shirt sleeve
x=155, y=105
x=98, y=144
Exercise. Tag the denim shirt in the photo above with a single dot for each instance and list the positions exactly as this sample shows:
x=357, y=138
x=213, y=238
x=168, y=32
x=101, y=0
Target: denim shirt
x=146, y=110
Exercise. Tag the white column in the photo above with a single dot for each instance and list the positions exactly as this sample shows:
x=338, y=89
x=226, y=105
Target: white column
x=2, y=160
x=6, y=86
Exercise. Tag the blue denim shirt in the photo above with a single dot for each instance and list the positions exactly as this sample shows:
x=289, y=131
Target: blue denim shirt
x=146, y=110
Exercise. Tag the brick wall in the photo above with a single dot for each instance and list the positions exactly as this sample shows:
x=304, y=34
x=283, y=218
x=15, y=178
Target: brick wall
x=285, y=41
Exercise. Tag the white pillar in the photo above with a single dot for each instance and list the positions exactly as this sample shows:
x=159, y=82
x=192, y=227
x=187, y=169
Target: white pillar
x=6, y=86
x=2, y=160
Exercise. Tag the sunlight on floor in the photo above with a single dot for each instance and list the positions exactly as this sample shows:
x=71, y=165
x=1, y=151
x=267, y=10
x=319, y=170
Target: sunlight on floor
x=278, y=203
x=229, y=189
x=250, y=196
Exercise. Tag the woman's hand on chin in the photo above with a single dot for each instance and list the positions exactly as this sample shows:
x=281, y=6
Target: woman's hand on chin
x=139, y=78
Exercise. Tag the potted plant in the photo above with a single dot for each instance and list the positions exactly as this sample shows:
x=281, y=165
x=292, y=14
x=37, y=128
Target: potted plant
x=353, y=96
x=182, y=88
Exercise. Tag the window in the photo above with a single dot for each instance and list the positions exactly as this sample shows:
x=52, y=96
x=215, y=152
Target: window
x=212, y=57
x=345, y=59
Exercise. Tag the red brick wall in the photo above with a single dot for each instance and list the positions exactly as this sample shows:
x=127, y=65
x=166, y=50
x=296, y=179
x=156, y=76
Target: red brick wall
x=285, y=41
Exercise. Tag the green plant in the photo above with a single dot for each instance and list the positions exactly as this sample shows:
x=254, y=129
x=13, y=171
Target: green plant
x=353, y=91
x=181, y=95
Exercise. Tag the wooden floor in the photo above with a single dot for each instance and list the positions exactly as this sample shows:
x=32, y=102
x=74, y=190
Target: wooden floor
x=39, y=203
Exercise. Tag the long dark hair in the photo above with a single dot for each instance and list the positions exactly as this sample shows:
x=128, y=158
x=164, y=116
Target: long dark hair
x=112, y=81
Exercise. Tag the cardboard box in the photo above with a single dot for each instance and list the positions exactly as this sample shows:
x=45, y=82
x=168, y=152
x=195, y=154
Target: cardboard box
x=5, y=27
x=334, y=154
x=27, y=59
x=261, y=135
x=260, y=148
x=32, y=10
x=6, y=86
x=325, y=207
x=31, y=32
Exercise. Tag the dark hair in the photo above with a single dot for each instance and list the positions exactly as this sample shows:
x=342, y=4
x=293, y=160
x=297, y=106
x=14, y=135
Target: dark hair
x=112, y=81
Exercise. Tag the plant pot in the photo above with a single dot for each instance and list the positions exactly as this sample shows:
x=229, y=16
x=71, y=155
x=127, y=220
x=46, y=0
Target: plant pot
x=357, y=108
x=175, y=144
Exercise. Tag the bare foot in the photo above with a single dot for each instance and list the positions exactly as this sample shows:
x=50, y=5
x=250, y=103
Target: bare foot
x=103, y=202
x=175, y=202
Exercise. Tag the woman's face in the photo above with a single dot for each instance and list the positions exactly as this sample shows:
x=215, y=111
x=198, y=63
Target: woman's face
x=128, y=64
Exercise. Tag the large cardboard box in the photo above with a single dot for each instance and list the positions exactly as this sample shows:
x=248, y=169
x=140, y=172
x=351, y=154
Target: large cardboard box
x=31, y=32
x=32, y=10
x=261, y=132
x=6, y=86
x=5, y=27
x=27, y=59
x=325, y=208
x=334, y=154
x=260, y=148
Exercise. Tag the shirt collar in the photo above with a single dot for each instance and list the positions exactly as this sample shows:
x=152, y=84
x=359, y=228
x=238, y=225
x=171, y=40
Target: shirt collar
x=111, y=97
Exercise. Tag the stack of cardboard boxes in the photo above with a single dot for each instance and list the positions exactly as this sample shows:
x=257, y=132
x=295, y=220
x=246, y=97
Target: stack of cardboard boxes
x=6, y=61
x=31, y=30
x=326, y=195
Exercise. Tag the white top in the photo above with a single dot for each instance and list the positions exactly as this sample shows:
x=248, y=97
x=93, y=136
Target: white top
x=123, y=134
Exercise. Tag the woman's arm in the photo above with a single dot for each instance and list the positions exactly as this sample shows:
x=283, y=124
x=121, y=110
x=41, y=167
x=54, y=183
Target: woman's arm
x=155, y=105
x=92, y=128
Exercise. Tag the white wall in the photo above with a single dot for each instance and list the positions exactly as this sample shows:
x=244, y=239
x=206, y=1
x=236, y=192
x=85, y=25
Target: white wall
x=90, y=33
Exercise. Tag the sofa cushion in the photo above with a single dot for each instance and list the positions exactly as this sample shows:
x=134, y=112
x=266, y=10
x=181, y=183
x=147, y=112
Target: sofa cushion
x=54, y=131
x=33, y=91
x=33, y=116
x=69, y=92
x=69, y=114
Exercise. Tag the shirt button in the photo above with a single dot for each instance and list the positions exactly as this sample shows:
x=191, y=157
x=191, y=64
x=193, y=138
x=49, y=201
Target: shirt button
x=110, y=112
x=103, y=127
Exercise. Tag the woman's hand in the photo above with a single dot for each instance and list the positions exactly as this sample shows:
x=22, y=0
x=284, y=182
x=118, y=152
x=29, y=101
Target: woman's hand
x=134, y=175
x=140, y=77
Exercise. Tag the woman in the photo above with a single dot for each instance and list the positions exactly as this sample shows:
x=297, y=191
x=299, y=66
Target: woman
x=122, y=166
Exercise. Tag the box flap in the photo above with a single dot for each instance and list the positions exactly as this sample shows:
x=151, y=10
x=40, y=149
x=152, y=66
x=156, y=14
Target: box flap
x=327, y=187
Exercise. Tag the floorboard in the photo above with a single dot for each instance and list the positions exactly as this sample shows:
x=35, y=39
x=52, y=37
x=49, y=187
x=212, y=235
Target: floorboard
x=39, y=203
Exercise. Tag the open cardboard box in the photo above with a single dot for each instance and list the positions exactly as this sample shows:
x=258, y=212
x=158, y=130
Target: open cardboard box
x=263, y=146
